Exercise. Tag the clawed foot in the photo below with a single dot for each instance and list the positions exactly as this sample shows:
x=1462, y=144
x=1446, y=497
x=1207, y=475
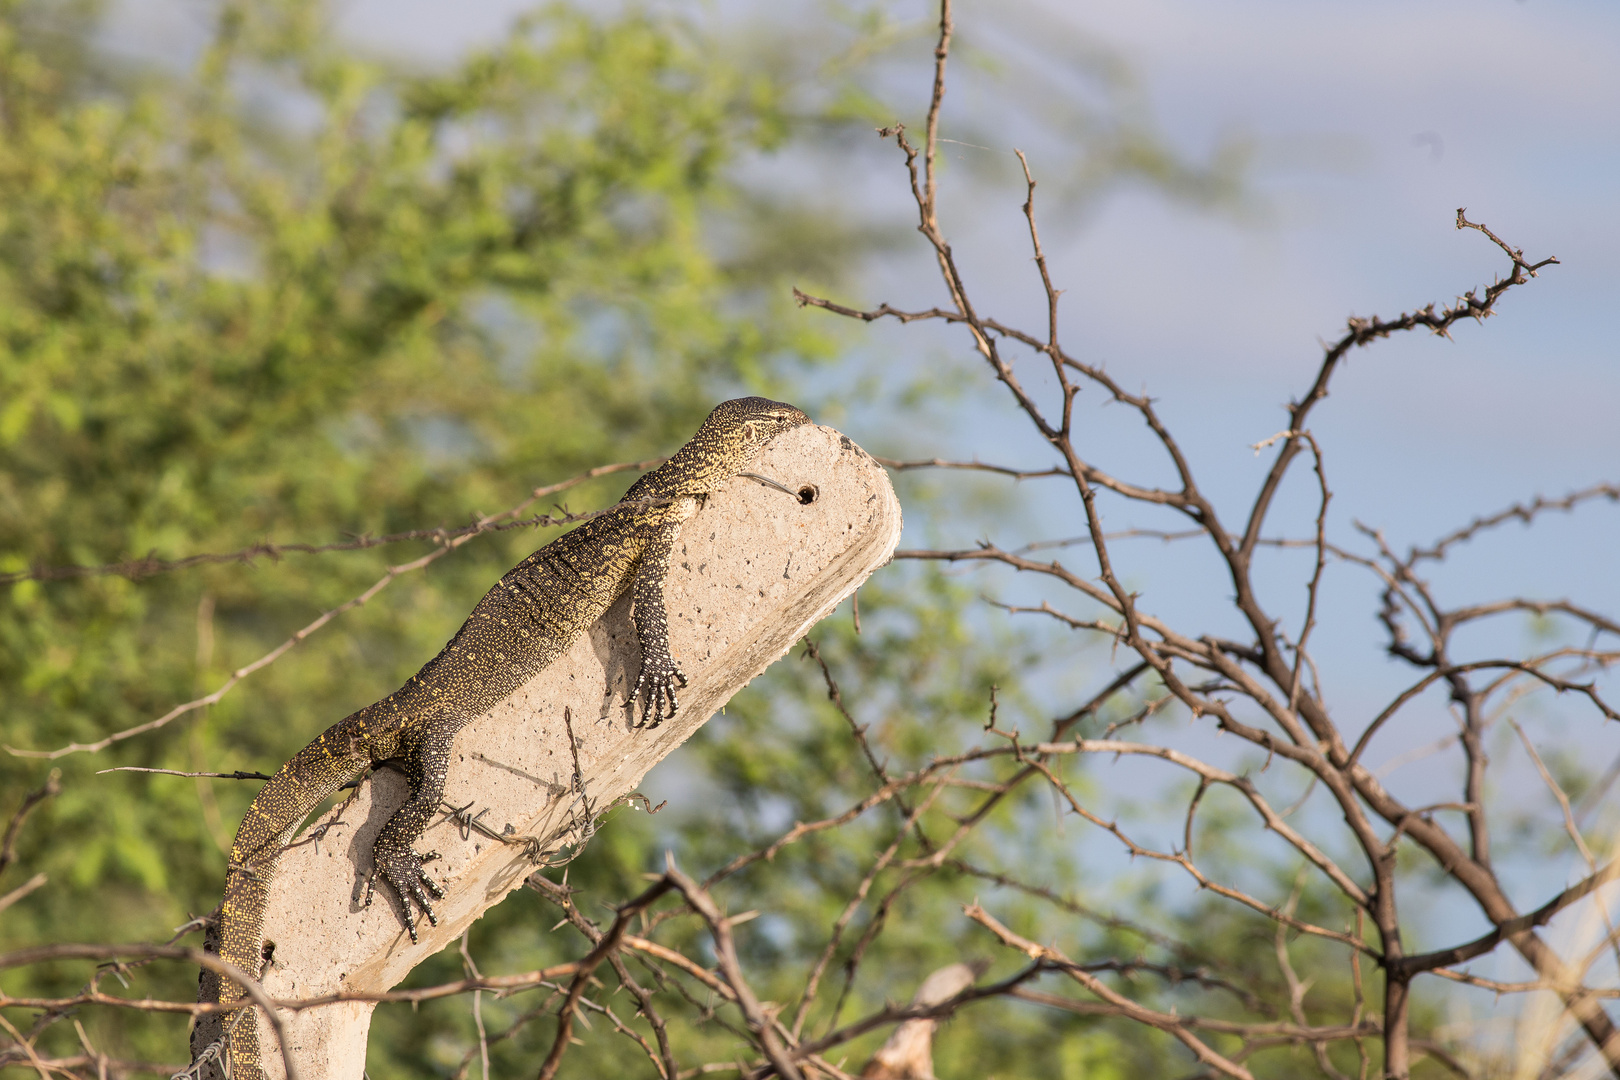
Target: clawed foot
x=657, y=682
x=402, y=869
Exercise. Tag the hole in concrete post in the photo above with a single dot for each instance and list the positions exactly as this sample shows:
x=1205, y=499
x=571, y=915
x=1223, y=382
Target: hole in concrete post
x=808, y=494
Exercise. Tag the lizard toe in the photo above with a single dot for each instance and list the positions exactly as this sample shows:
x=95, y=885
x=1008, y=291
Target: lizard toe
x=654, y=688
x=423, y=902
x=402, y=870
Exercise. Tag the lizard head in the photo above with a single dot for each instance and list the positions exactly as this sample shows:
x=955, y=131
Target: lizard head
x=731, y=438
x=751, y=421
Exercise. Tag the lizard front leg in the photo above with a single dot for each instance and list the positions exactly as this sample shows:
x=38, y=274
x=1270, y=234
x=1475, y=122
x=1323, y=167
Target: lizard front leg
x=659, y=672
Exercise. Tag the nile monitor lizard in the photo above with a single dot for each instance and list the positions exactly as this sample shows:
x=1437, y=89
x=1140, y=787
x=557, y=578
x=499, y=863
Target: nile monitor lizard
x=525, y=622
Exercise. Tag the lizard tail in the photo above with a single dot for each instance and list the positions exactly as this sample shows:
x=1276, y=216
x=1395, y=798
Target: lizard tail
x=333, y=759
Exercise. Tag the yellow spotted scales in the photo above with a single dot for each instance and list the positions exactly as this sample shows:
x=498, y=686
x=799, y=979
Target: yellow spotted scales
x=529, y=619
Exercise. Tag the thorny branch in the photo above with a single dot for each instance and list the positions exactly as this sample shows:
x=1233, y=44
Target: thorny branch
x=149, y=564
x=8, y=841
x=1268, y=672
x=505, y=518
x=1164, y=1021
x=195, y=957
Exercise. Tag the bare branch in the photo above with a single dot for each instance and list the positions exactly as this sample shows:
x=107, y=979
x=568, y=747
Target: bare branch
x=726, y=953
x=149, y=565
x=298, y=638
x=975, y=466
x=878, y=866
x=1167, y=1022
x=8, y=842
x=1524, y=512
x=250, y=986
x=1360, y=332
x=603, y=949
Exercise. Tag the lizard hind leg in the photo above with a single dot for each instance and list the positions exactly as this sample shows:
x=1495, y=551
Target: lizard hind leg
x=394, y=854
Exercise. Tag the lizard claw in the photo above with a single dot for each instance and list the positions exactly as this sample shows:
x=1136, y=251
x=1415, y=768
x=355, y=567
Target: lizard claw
x=657, y=681
x=402, y=869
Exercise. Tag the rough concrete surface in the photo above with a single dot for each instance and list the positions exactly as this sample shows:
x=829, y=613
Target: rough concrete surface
x=752, y=572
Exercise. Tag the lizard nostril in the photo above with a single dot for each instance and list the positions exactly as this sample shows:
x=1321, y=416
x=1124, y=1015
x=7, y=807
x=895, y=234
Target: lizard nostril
x=808, y=494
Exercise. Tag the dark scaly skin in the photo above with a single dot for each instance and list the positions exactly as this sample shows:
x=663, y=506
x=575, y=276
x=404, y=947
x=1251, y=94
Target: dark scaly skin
x=525, y=622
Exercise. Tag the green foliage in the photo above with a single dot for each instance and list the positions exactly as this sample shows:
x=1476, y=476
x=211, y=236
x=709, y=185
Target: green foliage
x=297, y=295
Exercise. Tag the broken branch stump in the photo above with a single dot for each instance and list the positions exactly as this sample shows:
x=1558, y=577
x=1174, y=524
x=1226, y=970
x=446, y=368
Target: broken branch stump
x=754, y=570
